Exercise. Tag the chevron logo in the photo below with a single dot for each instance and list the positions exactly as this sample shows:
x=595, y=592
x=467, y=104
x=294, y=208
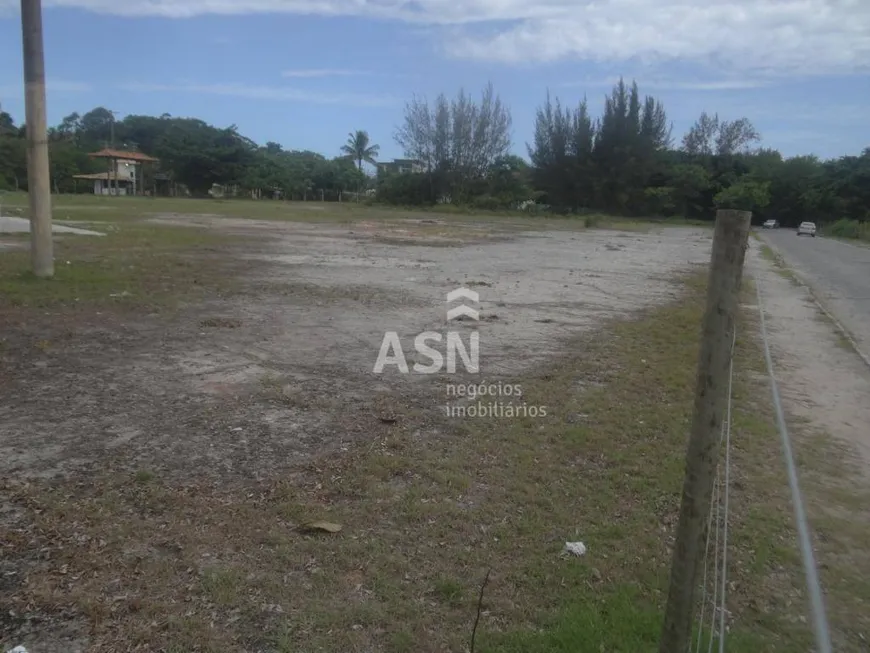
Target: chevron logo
x=459, y=311
x=463, y=293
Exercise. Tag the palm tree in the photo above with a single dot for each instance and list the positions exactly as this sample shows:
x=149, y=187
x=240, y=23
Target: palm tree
x=358, y=148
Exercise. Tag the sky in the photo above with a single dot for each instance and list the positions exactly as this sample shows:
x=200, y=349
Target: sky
x=304, y=73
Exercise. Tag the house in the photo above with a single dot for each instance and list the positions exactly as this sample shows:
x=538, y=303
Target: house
x=124, y=175
x=400, y=166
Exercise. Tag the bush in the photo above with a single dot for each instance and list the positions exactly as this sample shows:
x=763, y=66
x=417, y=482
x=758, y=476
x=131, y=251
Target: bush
x=848, y=229
x=591, y=221
x=487, y=203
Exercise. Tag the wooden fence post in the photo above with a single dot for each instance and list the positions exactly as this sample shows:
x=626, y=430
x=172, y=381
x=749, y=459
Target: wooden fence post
x=730, y=240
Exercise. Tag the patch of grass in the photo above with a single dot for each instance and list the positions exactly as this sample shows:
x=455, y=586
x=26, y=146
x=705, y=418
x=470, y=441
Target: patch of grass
x=449, y=591
x=592, y=624
x=144, y=476
x=424, y=518
x=221, y=585
x=96, y=209
x=780, y=265
x=133, y=264
x=91, y=209
x=841, y=340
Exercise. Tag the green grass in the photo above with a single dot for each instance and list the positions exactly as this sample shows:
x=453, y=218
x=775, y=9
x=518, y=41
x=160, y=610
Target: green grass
x=779, y=265
x=96, y=209
x=848, y=229
x=134, y=264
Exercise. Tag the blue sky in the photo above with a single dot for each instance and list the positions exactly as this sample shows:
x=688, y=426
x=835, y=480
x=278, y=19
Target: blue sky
x=304, y=73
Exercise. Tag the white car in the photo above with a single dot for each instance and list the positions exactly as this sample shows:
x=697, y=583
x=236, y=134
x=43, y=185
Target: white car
x=807, y=229
x=770, y=224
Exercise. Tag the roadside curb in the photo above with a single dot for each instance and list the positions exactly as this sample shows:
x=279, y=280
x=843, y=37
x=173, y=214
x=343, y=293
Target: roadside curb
x=811, y=291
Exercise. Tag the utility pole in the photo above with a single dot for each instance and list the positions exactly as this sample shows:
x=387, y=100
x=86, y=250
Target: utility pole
x=38, y=172
x=730, y=240
x=112, y=129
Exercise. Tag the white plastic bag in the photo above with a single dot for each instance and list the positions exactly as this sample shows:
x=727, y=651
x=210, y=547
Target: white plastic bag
x=575, y=548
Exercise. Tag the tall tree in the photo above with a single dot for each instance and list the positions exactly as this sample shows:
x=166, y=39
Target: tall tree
x=631, y=134
x=457, y=142
x=710, y=136
x=359, y=149
x=735, y=137
x=7, y=124
x=701, y=137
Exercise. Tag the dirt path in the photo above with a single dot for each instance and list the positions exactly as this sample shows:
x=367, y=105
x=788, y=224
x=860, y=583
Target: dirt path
x=822, y=380
x=825, y=387
x=837, y=272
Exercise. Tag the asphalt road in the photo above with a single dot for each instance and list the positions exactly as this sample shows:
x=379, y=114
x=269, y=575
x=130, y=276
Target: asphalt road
x=838, y=273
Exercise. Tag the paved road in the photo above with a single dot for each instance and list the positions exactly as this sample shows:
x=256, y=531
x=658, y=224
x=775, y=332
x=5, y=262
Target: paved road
x=838, y=272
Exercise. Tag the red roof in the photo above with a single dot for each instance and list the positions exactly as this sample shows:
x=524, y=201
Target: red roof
x=124, y=156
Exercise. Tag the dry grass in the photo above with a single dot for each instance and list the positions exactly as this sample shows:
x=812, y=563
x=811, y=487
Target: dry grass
x=148, y=564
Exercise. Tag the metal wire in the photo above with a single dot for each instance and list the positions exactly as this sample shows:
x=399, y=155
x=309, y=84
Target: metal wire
x=713, y=500
x=814, y=588
x=721, y=526
x=727, y=494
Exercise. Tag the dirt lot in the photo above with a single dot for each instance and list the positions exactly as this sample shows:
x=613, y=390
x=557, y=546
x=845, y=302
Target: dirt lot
x=192, y=390
x=284, y=368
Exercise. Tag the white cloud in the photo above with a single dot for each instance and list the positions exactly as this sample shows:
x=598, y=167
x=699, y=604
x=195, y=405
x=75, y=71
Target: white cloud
x=761, y=37
x=754, y=36
x=278, y=93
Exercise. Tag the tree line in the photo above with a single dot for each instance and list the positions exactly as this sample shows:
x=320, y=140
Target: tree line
x=624, y=161
x=191, y=152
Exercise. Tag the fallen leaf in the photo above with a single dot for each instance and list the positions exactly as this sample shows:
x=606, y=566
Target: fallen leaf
x=325, y=526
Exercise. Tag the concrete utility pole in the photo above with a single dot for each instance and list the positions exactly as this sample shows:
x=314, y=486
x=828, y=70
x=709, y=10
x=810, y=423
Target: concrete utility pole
x=38, y=172
x=730, y=240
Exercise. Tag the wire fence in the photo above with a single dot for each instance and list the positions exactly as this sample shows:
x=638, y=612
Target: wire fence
x=715, y=598
x=712, y=620
x=814, y=588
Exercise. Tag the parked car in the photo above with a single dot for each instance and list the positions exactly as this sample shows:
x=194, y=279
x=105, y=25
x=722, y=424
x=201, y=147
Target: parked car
x=770, y=224
x=807, y=229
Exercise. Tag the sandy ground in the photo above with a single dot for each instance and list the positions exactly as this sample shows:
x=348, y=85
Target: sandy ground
x=10, y=225
x=821, y=380
x=198, y=396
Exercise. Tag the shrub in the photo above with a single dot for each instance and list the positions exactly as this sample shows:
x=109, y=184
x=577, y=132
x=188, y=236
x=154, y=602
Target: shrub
x=591, y=221
x=848, y=229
